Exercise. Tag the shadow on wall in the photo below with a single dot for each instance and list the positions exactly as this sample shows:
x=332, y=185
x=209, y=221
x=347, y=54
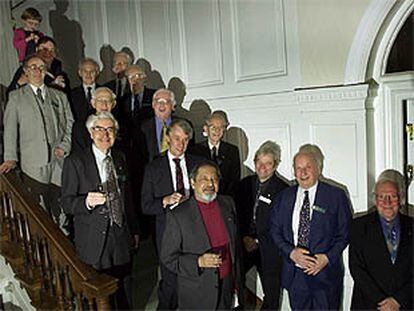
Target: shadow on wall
x=238, y=137
x=154, y=79
x=106, y=53
x=68, y=36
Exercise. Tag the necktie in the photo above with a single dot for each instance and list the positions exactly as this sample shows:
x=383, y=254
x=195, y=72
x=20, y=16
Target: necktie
x=137, y=104
x=39, y=95
x=89, y=94
x=392, y=244
x=179, y=176
x=214, y=154
x=163, y=139
x=118, y=88
x=113, y=196
x=304, y=222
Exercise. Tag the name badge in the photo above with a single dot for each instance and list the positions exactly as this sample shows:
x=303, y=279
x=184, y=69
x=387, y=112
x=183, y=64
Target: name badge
x=264, y=199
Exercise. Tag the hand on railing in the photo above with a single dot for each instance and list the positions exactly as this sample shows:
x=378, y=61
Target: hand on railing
x=7, y=166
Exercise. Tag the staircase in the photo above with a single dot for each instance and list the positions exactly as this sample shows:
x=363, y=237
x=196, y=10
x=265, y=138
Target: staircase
x=43, y=260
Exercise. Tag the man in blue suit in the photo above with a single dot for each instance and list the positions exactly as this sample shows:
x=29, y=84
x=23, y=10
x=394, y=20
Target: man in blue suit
x=309, y=224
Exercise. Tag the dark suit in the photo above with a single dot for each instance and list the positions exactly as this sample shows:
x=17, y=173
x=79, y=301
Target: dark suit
x=156, y=185
x=81, y=108
x=328, y=234
x=186, y=239
x=144, y=111
x=113, y=85
x=228, y=160
x=375, y=277
x=267, y=258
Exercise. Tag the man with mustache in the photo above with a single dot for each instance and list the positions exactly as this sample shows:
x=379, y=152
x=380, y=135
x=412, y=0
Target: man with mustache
x=200, y=245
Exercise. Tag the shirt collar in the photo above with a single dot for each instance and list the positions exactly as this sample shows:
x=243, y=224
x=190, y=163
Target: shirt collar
x=159, y=121
x=34, y=88
x=171, y=156
x=85, y=87
x=311, y=190
x=99, y=155
x=210, y=145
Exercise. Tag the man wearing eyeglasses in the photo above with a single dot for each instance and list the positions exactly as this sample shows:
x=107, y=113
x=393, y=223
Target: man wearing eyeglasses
x=103, y=99
x=37, y=135
x=224, y=154
x=95, y=190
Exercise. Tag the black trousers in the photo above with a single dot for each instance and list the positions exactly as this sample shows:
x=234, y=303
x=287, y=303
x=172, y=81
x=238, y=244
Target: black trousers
x=269, y=277
x=167, y=290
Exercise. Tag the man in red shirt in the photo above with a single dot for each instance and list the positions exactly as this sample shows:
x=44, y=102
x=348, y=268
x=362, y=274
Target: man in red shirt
x=200, y=245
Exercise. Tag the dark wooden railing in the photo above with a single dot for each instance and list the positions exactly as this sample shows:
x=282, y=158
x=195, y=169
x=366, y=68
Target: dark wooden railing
x=44, y=260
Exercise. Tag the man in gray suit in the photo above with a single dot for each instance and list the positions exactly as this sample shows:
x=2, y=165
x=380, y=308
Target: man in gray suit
x=37, y=131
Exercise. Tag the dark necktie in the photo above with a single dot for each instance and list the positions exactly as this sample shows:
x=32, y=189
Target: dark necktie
x=89, y=94
x=118, y=88
x=179, y=176
x=113, y=195
x=214, y=154
x=392, y=244
x=137, y=104
x=39, y=95
x=304, y=222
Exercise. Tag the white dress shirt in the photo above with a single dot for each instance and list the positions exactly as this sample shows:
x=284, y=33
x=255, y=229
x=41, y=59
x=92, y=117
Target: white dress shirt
x=42, y=88
x=183, y=169
x=300, y=196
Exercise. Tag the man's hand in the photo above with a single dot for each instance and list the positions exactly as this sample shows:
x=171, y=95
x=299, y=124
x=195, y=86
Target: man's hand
x=171, y=199
x=318, y=262
x=59, y=152
x=249, y=244
x=7, y=166
x=209, y=260
x=136, y=241
x=300, y=256
x=60, y=81
x=389, y=304
x=95, y=198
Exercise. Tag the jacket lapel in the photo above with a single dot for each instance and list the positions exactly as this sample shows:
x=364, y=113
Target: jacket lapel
x=199, y=223
x=229, y=221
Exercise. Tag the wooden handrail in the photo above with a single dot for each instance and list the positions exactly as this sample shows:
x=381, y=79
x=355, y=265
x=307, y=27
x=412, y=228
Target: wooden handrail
x=43, y=258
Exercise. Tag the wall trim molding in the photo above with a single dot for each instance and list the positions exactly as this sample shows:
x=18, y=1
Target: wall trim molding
x=358, y=56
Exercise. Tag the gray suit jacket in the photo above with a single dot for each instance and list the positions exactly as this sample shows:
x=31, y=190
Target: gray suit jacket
x=25, y=136
x=185, y=239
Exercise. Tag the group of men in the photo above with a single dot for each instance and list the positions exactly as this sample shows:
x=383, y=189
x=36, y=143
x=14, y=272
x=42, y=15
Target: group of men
x=123, y=155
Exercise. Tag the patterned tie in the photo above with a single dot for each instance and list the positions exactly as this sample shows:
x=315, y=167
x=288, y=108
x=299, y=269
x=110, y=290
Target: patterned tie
x=179, y=176
x=392, y=244
x=39, y=95
x=304, y=222
x=113, y=195
x=163, y=139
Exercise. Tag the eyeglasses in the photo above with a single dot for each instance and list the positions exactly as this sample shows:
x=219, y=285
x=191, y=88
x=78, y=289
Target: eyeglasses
x=100, y=129
x=387, y=197
x=46, y=49
x=34, y=67
x=138, y=75
x=160, y=101
x=216, y=128
x=103, y=101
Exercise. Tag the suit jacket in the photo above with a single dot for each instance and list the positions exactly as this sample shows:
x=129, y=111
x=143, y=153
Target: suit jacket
x=80, y=107
x=112, y=85
x=245, y=200
x=185, y=239
x=156, y=185
x=25, y=138
x=328, y=233
x=143, y=113
x=228, y=162
x=375, y=277
x=80, y=176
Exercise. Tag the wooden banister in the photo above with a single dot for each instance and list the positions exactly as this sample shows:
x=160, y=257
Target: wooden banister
x=44, y=260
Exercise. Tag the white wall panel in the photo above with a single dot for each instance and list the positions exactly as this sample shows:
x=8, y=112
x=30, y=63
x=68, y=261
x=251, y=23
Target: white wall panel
x=201, y=51
x=259, y=39
x=156, y=31
x=339, y=142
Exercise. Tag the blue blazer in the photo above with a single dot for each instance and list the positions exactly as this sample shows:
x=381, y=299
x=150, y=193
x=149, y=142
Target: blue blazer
x=328, y=233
